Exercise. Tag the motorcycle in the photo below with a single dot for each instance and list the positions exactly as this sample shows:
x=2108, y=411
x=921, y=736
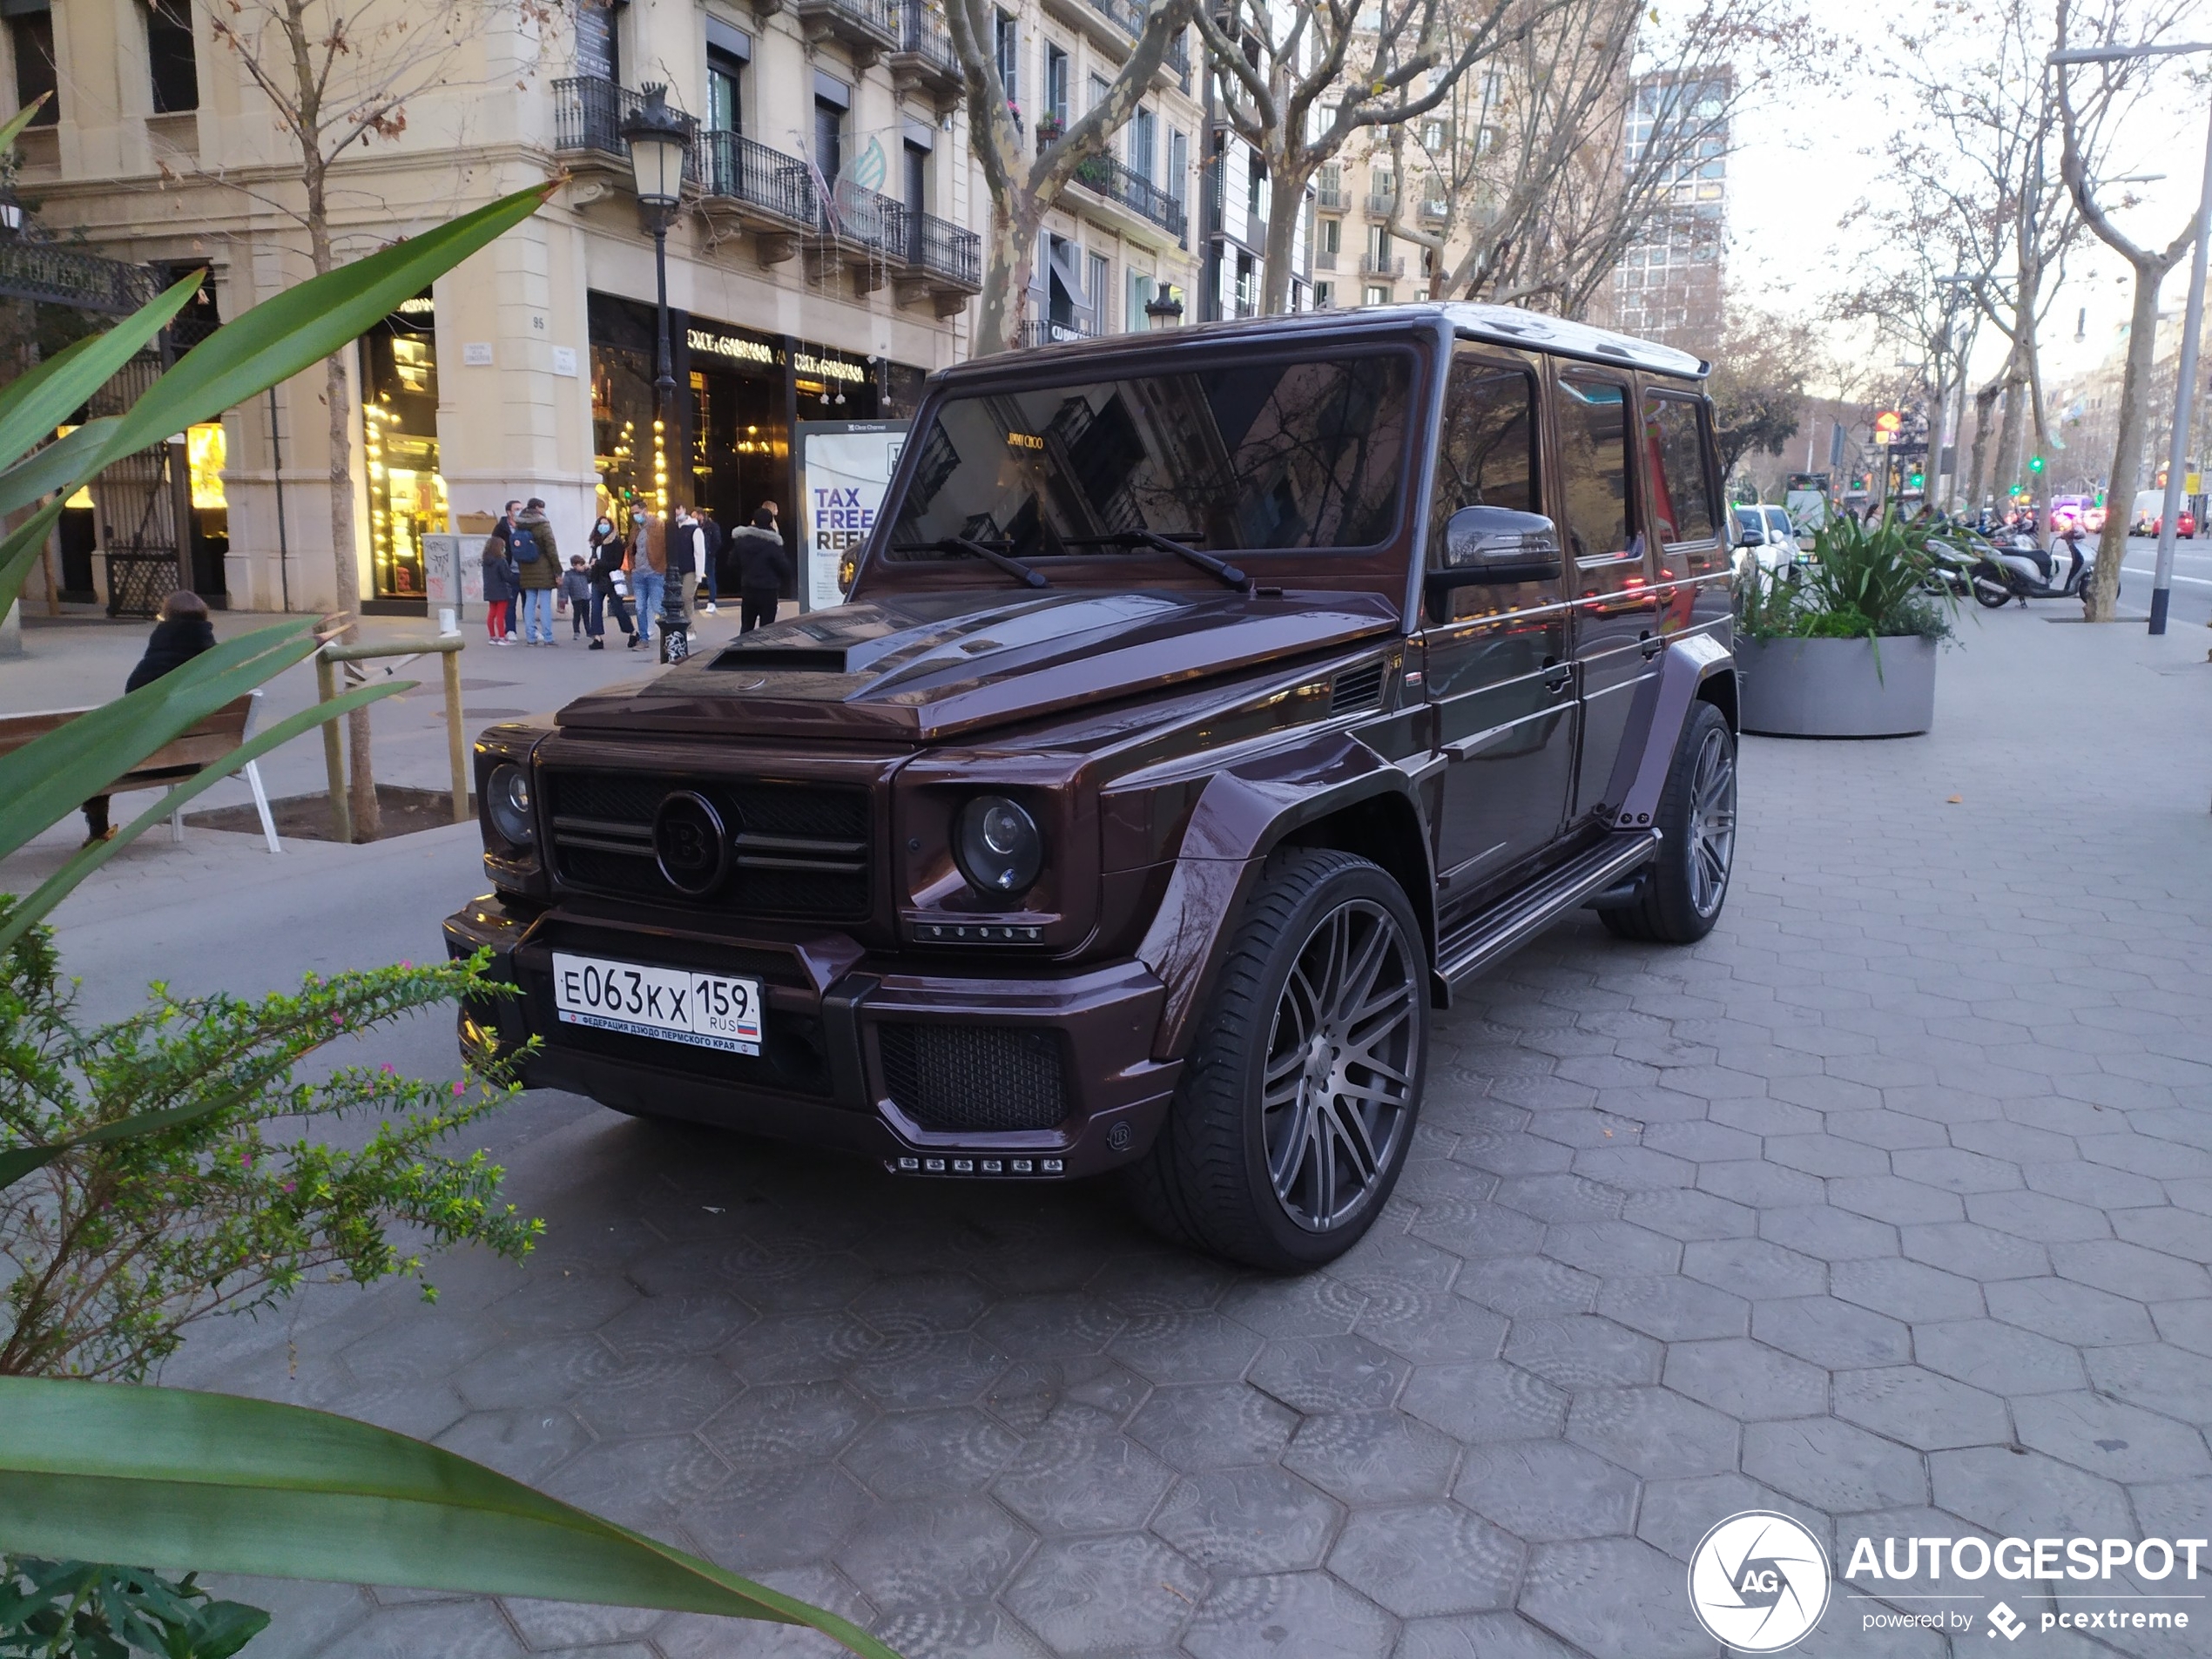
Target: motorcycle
x=2014, y=567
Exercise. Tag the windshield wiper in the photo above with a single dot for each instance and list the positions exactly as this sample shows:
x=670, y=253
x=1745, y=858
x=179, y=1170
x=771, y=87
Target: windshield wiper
x=1206, y=562
x=1012, y=566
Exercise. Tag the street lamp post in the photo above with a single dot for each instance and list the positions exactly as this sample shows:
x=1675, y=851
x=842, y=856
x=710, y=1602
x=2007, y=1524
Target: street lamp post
x=2162, y=586
x=659, y=138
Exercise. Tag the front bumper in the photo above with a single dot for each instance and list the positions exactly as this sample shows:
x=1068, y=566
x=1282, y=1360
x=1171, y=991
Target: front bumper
x=921, y=1070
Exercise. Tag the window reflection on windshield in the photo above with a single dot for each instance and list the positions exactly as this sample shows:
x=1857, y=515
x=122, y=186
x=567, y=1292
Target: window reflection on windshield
x=1253, y=456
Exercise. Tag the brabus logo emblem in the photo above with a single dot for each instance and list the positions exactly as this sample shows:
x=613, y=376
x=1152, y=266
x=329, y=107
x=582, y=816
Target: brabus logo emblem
x=690, y=843
x=1759, y=1581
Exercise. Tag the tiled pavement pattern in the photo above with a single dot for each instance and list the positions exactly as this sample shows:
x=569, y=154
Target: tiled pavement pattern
x=1889, y=1206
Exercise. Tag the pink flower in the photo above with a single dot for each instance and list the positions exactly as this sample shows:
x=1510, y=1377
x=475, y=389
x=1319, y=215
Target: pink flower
x=407, y=964
x=456, y=1088
x=386, y=1069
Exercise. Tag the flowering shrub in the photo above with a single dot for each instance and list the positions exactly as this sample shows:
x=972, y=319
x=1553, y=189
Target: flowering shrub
x=110, y=1249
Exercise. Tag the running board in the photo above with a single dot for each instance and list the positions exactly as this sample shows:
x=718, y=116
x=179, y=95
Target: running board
x=1503, y=929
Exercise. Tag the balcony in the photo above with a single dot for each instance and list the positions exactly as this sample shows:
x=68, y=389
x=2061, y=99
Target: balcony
x=867, y=29
x=1434, y=210
x=1388, y=266
x=1324, y=259
x=1108, y=176
x=924, y=61
x=1382, y=201
x=1330, y=197
x=1114, y=24
x=1044, y=332
x=588, y=114
x=756, y=180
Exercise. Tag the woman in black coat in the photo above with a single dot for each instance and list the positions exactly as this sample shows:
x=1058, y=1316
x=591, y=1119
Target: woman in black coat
x=183, y=632
x=608, y=548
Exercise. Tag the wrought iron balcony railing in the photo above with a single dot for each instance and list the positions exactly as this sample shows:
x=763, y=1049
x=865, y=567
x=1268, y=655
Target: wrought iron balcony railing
x=1383, y=200
x=735, y=169
x=1115, y=180
x=942, y=248
x=1388, y=265
x=1043, y=331
x=589, y=111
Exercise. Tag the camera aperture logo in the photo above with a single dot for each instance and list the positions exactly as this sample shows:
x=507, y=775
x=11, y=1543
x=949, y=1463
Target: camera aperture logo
x=1759, y=1581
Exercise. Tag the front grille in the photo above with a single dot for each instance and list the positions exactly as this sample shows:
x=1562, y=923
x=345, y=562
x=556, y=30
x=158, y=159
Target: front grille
x=978, y=1079
x=803, y=851
x=1357, y=690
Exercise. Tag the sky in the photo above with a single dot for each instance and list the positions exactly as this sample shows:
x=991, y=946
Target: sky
x=1805, y=159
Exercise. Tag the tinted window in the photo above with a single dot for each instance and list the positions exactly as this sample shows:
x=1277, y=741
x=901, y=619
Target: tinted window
x=1682, y=496
x=1488, y=457
x=1253, y=456
x=1594, y=466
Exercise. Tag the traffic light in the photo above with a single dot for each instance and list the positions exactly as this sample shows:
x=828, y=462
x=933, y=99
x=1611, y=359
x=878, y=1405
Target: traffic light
x=1916, y=480
x=2035, y=464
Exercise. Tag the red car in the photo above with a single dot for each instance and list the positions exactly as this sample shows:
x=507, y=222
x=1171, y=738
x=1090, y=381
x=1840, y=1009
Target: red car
x=2184, y=527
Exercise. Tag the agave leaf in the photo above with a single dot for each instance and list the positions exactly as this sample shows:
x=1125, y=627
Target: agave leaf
x=297, y=328
x=19, y=549
x=21, y=119
x=41, y=782
x=56, y=887
x=110, y=1472
x=78, y=373
x=56, y=466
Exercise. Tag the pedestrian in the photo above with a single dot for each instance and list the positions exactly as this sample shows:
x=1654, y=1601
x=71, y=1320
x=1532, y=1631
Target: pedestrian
x=500, y=586
x=763, y=568
x=608, y=551
x=537, y=559
x=714, y=543
x=181, y=634
x=576, y=594
x=648, y=570
x=684, y=558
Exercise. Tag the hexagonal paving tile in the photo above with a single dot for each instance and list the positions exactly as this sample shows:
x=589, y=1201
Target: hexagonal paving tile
x=1091, y=1594
x=2000, y=1357
x=1428, y=1559
x=1654, y=1432
x=2110, y=1438
x=1541, y=1490
x=1254, y=1618
x=1832, y=1334
x=937, y=1550
x=1081, y=1474
x=1582, y=1353
x=1833, y=1465
x=918, y=1454
x=1746, y=1379
x=1913, y=1405
x=1212, y=1426
x=1372, y=1457
x=1616, y=1598
x=1674, y=1309
x=1248, y=1520
x=1318, y=1374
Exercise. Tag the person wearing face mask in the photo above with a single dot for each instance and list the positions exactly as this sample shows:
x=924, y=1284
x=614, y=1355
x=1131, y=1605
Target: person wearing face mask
x=608, y=550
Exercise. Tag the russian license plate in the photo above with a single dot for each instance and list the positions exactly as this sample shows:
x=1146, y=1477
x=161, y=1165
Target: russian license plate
x=709, y=1010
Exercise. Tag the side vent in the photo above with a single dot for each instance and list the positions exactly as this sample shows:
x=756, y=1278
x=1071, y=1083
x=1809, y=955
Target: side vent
x=1357, y=690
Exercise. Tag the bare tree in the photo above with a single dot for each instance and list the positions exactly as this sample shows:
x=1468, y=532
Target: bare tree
x=1298, y=82
x=1922, y=308
x=338, y=75
x=1024, y=185
x=1583, y=134
x=2086, y=116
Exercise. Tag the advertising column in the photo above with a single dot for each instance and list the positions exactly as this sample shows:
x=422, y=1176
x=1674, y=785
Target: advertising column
x=844, y=467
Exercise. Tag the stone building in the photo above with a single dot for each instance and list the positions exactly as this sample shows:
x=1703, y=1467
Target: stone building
x=821, y=264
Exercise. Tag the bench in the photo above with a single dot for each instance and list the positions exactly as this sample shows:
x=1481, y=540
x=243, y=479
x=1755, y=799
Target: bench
x=182, y=756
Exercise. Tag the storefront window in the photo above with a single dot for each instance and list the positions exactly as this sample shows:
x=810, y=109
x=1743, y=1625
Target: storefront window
x=407, y=496
x=622, y=430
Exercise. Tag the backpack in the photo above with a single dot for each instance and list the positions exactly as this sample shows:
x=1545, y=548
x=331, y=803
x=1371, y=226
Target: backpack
x=522, y=545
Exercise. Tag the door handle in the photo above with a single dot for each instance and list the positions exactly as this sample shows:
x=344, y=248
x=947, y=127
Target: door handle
x=1558, y=677
x=1649, y=645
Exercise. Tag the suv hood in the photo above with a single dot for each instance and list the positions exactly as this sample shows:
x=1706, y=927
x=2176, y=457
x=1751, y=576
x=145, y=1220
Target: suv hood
x=930, y=665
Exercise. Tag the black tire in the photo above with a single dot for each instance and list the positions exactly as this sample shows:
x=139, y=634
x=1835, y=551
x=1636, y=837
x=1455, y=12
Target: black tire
x=1990, y=592
x=1261, y=1182
x=1680, y=893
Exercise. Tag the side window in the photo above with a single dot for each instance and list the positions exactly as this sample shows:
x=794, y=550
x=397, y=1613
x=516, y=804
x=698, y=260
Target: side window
x=1674, y=450
x=1488, y=457
x=1594, y=466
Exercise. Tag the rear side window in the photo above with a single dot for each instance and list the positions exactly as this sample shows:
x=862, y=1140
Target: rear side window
x=1594, y=466
x=1488, y=457
x=1674, y=446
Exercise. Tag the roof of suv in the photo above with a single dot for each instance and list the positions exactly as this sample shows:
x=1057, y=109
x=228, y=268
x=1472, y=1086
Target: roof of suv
x=1502, y=325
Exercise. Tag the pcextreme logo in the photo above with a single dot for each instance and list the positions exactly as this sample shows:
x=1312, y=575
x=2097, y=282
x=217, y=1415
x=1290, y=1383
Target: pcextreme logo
x=1759, y=1581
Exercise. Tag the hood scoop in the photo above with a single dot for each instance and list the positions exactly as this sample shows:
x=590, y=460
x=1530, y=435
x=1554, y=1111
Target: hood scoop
x=792, y=658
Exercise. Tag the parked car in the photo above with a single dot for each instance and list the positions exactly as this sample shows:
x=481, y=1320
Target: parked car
x=2184, y=525
x=1207, y=706
x=1766, y=536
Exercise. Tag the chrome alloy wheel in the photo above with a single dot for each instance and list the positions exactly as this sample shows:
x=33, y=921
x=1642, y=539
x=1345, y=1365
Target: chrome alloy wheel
x=1712, y=820
x=1337, y=1091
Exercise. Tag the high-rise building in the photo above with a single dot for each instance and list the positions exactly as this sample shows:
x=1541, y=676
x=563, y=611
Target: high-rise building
x=1669, y=280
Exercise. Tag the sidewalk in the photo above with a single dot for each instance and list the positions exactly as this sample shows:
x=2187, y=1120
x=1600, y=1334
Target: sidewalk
x=1888, y=1206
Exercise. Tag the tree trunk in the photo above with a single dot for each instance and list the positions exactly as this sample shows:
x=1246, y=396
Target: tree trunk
x=2128, y=448
x=1985, y=406
x=361, y=767
x=1006, y=272
x=2008, y=435
x=1286, y=187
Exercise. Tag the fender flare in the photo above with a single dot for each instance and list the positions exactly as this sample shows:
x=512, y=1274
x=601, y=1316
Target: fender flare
x=1245, y=813
x=1641, y=773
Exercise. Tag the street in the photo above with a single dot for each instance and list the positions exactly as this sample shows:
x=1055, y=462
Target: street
x=1888, y=1207
x=2192, y=601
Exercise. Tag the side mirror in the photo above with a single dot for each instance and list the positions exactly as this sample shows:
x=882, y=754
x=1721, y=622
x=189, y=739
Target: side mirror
x=1497, y=546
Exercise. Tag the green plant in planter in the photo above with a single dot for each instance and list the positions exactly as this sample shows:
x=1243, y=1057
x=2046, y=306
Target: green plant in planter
x=70, y=1610
x=1871, y=581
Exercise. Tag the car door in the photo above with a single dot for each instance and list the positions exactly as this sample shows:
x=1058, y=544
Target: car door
x=1614, y=606
x=1496, y=643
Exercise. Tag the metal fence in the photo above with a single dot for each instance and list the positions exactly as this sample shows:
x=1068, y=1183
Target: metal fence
x=70, y=276
x=944, y=248
x=736, y=168
x=588, y=113
x=920, y=35
x=1109, y=177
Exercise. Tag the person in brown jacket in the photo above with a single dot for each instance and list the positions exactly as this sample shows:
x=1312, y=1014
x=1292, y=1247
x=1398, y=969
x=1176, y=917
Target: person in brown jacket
x=649, y=571
x=537, y=561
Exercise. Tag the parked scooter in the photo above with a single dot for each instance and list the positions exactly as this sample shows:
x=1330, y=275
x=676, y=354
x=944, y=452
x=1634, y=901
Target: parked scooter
x=2014, y=567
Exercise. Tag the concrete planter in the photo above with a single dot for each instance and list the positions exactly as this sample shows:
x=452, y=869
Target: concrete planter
x=1832, y=688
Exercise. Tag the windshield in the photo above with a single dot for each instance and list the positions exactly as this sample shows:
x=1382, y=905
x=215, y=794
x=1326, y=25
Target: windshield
x=1272, y=455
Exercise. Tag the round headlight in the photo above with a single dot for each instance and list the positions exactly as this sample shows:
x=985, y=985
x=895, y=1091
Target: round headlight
x=507, y=797
x=998, y=845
